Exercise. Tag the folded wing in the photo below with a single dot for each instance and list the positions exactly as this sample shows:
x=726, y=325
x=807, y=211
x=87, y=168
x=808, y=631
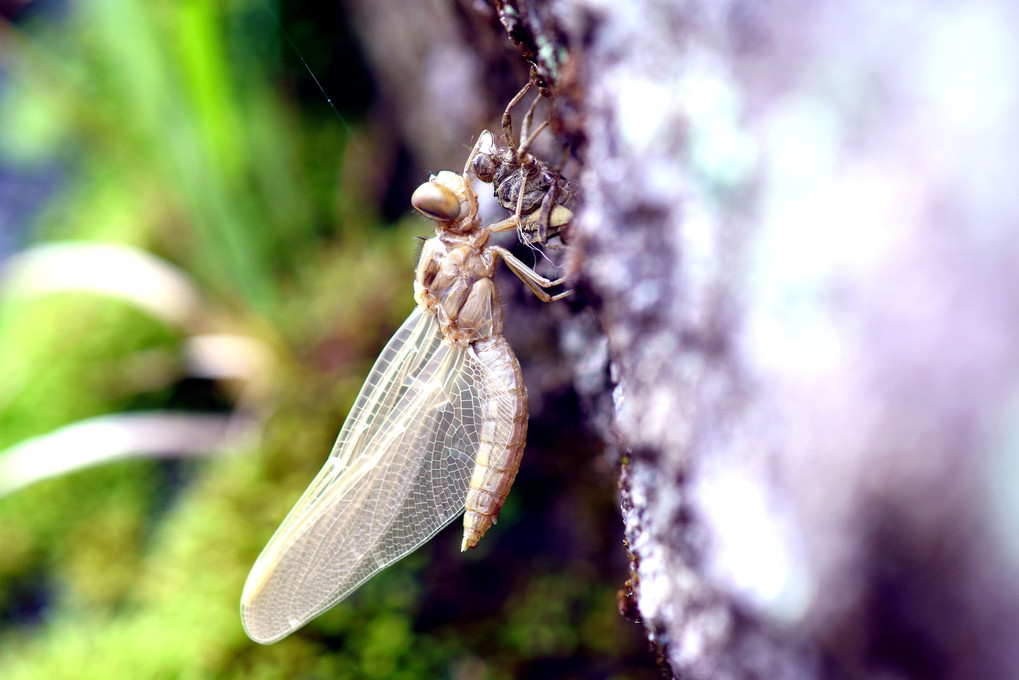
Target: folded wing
x=399, y=472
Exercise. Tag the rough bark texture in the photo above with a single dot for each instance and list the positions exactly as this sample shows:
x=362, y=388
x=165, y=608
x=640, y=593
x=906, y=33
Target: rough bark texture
x=800, y=240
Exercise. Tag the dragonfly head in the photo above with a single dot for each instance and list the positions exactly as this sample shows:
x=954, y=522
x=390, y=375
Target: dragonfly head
x=436, y=201
x=450, y=201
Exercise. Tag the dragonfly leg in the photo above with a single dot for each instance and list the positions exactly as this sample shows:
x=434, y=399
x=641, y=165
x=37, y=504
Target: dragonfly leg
x=532, y=279
x=507, y=121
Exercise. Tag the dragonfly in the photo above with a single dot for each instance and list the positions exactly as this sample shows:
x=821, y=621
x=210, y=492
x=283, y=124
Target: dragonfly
x=542, y=201
x=437, y=430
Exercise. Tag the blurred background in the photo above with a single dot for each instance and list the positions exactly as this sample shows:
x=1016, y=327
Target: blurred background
x=200, y=258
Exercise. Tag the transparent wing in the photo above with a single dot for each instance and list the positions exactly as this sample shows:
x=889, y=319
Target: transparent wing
x=399, y=472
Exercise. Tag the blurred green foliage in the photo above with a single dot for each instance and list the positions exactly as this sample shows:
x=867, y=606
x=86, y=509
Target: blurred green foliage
x=172, y=126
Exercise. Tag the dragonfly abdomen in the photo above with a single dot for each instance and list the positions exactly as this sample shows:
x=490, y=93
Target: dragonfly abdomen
x=503, y=431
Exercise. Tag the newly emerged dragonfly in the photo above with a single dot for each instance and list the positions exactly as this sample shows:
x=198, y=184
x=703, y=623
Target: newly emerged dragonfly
x=439, y=427
x=541, y=200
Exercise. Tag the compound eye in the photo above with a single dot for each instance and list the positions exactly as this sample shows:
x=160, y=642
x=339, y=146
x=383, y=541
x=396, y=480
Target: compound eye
x=436, y=202
x=484, y=167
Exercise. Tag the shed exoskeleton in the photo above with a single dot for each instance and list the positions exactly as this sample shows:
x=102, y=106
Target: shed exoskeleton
x=541, y=200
